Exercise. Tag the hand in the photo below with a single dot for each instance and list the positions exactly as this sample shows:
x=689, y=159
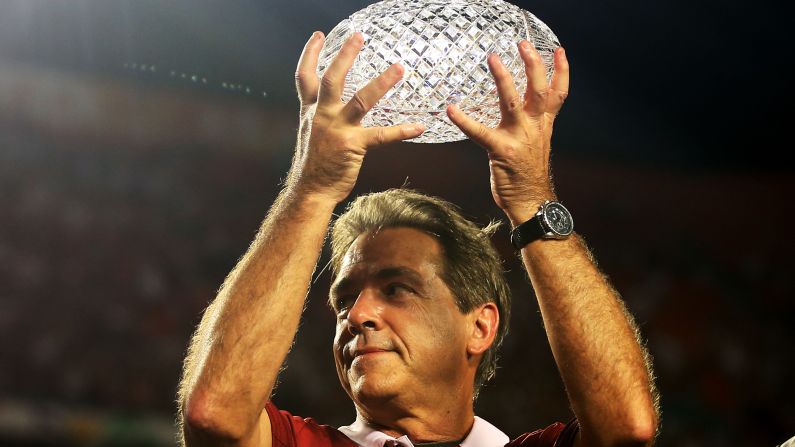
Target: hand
x=331, y=142
x=519, y=146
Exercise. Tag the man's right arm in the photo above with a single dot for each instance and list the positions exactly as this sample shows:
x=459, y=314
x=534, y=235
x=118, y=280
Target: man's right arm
x=245, y=334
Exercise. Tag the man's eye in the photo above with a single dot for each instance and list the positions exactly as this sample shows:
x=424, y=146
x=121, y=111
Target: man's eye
x=395, y=288
x=342, y=303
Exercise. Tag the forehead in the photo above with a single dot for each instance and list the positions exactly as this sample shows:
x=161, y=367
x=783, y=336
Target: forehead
x=393, y=247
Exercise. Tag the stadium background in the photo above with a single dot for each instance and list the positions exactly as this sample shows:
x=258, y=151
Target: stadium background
x=141, y=143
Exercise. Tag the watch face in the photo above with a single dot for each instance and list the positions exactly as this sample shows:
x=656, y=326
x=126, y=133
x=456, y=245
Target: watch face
x=558, y=218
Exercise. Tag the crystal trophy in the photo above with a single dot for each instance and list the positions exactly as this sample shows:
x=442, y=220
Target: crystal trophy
x=443, y=46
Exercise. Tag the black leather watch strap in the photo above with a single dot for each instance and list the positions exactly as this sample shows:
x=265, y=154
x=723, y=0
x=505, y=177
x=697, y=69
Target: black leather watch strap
x=527, y=232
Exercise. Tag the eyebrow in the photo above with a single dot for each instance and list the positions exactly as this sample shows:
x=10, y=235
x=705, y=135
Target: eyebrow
x=383, y=274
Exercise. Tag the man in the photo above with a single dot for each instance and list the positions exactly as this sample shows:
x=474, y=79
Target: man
x=413, y=342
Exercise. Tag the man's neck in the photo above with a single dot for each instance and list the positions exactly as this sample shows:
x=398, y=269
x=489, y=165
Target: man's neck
x=433, y=424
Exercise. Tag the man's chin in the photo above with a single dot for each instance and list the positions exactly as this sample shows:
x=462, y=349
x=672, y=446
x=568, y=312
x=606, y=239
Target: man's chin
x=372, y=386
x=373, y=396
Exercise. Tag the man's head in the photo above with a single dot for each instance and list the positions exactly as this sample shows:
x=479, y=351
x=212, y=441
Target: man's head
x=416, y=279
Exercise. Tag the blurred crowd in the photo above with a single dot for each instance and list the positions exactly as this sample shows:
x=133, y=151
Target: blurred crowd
x=108, y=255
x=130, y=184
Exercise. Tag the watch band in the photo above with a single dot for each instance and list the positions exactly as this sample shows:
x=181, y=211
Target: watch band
x=527, y=232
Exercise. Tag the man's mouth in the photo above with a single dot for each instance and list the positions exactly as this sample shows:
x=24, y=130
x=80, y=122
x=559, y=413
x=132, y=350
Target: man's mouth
x=368, y=351
x=364, y=352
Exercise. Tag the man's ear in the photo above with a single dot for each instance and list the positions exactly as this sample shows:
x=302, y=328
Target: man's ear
x=483, y=323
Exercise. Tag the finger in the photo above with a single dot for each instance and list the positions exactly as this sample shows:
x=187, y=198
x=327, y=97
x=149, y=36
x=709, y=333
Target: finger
x=306, y=81
x=367, y=97
x=376, y=136
x=334, y=78
x=537, y=87
x=474, y=130
x=510, y=101
x=559, y=86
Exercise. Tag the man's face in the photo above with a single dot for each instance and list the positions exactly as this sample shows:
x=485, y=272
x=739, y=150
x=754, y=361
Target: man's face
x=399, y=331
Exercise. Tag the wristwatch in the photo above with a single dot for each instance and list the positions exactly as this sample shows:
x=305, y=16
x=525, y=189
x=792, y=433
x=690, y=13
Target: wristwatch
x=552, y=221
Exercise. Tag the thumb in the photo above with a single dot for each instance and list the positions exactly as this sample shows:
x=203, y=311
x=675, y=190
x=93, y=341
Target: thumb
x=474, y=130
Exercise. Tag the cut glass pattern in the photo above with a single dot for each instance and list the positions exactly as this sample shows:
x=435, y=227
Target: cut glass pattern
x=443, y=46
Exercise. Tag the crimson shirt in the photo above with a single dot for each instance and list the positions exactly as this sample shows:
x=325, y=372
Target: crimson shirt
x=293, y=431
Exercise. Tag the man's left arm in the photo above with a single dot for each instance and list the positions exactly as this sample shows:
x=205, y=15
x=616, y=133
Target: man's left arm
x=595, y=343
x=593, y=338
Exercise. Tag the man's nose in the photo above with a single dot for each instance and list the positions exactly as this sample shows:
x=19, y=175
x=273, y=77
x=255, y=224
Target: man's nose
x=365, y=314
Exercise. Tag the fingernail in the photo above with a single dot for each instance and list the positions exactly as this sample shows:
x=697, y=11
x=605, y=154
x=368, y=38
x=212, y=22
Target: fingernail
x=316, y=34
x=525, y=45
x=419, y=127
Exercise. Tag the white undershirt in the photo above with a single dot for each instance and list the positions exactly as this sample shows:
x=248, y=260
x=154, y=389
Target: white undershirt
x=483, y=434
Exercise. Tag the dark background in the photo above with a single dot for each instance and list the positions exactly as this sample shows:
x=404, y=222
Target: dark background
x=141, y=143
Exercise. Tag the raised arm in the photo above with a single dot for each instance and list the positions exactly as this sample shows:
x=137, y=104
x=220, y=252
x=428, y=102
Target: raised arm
x=245, y=334
x=593, y=338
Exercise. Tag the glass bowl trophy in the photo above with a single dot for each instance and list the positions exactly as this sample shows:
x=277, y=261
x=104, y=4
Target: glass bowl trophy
x=443, y=46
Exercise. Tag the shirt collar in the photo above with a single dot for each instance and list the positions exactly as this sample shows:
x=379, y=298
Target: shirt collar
x=483, y=434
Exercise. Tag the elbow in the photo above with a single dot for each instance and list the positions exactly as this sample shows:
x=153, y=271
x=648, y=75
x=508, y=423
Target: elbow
x=643, y=433
x=205, y=422
x=645, y=426
x=639, y=424
x=639, y=431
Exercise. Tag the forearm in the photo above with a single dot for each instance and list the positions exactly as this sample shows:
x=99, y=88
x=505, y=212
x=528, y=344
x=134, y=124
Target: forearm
x=594, y=342
x=245, y=334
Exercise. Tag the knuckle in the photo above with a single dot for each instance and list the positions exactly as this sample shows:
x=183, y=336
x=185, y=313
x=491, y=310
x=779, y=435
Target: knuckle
x=303, y=79
x=327, y=82
x=482, y=131
x=543, y=93
x=540, y=96
x=380, y=136
x=514, y=103
x=359, y=102
x=306, y=100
